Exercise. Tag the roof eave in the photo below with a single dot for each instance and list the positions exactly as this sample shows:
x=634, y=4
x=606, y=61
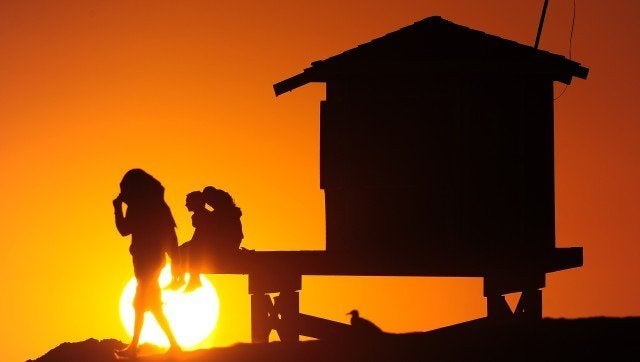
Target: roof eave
x=568, y=70
x=581, y=72
x=298, y=80
x=577, y=71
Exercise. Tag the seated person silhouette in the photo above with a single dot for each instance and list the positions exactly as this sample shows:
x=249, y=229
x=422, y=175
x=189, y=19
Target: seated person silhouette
x=225, y=218
x=194, y=252
x=217, y=234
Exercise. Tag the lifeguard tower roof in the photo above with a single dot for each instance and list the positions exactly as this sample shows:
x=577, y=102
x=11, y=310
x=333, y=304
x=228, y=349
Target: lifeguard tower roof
x=432, y=43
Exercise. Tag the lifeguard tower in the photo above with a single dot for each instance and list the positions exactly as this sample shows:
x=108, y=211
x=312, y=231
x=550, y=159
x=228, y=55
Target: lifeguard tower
x=436, y=159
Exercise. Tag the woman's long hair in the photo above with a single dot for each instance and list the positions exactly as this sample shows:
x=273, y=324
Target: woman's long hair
x=219, y=199
x=139, y=189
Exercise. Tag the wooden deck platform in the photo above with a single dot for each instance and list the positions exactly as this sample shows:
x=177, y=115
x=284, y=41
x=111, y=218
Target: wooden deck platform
x=281, y=272
x=319, y=262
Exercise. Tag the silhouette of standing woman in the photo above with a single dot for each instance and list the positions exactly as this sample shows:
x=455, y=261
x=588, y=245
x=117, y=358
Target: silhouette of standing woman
x=149, y=222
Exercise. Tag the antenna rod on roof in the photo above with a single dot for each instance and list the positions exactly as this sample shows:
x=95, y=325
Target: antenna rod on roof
x=544, y=12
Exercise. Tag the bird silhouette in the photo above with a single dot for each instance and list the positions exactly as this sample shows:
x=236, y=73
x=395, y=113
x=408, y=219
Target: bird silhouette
x=363, y=326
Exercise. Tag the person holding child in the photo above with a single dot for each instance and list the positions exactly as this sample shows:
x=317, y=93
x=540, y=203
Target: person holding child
x=217, y=234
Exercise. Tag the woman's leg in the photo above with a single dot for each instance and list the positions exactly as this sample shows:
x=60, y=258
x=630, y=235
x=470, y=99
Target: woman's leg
x=194, y=282
x=195, y=267
x=138, y=321
x=179, y=266
x=166, y=328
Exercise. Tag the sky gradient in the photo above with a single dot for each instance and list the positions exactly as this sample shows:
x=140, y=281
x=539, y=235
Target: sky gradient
x=90, y=89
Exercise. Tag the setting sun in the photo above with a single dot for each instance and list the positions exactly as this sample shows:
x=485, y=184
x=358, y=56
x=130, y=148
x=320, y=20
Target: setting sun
x=192, y=316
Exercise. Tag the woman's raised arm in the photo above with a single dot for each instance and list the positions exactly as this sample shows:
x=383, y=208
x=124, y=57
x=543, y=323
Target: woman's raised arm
x=121, y=223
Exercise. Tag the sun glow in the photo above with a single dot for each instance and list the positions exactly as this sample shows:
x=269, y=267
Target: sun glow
x=192, y=316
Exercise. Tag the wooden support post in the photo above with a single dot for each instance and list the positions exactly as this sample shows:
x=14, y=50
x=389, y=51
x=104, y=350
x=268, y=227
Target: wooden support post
x=498, y=308
x=281, y=315
x=261, y=310
x=525, y=279
x=530, y=305
x=287, y=305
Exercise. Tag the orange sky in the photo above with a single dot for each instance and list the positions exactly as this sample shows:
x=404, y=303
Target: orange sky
x=90, y=89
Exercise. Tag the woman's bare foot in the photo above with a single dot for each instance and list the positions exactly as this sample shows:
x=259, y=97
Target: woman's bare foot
x=174, y=349
x=130, y=352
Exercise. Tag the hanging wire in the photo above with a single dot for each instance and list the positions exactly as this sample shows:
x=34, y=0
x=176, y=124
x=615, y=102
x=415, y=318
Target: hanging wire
x=573, y=23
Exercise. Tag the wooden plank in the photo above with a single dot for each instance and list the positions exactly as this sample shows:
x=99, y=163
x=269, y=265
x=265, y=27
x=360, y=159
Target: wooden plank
x=322, y=328
x=319, y=262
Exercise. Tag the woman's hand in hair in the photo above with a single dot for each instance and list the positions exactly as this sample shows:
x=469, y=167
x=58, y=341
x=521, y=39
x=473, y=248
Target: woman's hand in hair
x=117, y=202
